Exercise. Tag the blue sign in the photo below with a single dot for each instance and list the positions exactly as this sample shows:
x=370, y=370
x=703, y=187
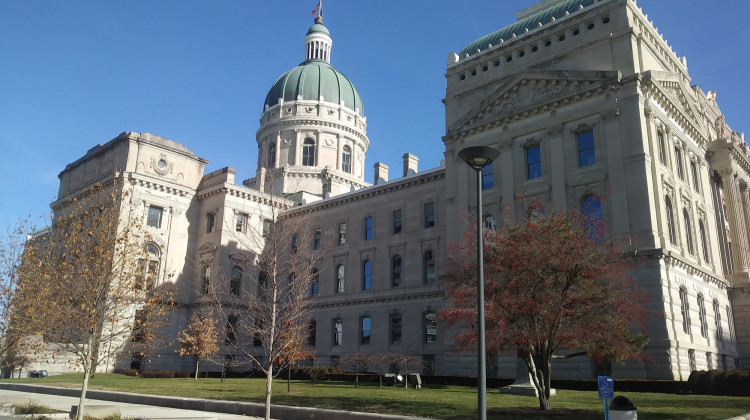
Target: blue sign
x=606, y=387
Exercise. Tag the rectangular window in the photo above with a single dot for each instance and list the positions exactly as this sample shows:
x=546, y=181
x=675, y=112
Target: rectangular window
x=397, y=221
x=662, y=147
x=267, y=227
x=430, y=320
x=395, y=328
x=241, y=225
x=230, y=334
x=365, y=339
x=368, y=227
x=154, y=216
x=534, y=161
x=586, y=151
x=429, y=215
x=342, y=233
x=488, y=177
x=694, y=171
x=206, y=279
x=678, y=162
x=210, y=220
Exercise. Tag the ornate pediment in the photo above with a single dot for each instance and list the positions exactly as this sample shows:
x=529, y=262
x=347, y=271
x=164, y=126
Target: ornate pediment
x=679, y=101
x=206, y=249
x=529, y=93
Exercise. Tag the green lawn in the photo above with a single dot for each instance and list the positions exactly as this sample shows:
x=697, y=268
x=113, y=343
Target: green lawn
x=443, y=402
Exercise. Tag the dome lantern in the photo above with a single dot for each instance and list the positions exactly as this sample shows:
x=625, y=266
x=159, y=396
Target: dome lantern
x=318, y=42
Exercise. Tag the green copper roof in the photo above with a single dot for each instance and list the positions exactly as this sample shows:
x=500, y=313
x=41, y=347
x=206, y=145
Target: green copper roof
x=318, y=27
x=530, y=23
x=313, y=79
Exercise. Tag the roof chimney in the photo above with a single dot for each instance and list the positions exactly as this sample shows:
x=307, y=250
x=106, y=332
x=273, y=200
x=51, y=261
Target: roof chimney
x=410, y=164
x=381, y=173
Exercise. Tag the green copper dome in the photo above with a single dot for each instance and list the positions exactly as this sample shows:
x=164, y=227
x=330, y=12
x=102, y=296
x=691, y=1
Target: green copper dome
x=318, y=27
x=313, y=79
x=519, y=28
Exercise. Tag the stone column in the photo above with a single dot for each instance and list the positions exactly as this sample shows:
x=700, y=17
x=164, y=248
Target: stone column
x=737, y=225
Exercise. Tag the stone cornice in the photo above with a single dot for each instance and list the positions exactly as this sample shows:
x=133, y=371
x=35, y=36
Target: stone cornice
x=246, y=194
x=380, y=299
x=311, y=121
x=692, y=269
x=148, y=182
x=372, y=191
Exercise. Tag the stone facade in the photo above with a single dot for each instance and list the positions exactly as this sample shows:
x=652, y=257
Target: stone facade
x=586, y=103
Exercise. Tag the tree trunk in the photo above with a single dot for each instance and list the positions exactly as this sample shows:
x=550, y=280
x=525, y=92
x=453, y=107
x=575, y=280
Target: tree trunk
x=356, y=379
x=269, y=383
x=86, y=374
x=289, y=379
x=197, y=361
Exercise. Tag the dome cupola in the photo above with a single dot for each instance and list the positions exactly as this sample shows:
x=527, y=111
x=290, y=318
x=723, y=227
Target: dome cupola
x=318, y=42
x=313, y=133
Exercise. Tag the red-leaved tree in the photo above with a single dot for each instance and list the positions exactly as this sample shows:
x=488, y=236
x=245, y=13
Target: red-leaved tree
x=553, y=281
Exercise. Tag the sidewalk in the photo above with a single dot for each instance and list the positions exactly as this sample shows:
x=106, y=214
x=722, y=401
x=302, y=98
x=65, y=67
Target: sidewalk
x=158, y=407
x=64, y=403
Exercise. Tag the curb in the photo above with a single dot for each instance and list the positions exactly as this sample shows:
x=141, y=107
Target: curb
x=278, y=412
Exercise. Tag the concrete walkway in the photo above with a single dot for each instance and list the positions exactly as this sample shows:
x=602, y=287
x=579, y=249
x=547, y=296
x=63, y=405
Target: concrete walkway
x=142, y=406
x=139, y=411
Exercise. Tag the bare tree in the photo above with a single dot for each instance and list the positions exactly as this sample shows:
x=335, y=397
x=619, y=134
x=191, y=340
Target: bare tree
x=356, y=362
x=199, y=339
x=405, y=363
x=86, y=278
x=267, y=318
x=381, y=362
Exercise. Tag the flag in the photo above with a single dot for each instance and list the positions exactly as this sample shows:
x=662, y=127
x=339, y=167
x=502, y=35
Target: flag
x=317, y=9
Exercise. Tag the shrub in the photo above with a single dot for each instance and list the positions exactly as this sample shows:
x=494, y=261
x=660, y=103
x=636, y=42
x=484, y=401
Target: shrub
x=158, y=374
x=181, y=374
x=693, y=380
x=33, y=407
x=707, y=382
x=128, y=372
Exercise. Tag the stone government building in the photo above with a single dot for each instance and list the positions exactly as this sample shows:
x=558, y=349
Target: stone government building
x=583, y=98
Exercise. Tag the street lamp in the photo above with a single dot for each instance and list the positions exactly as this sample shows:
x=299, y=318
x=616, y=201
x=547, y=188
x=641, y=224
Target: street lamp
x=478, y=157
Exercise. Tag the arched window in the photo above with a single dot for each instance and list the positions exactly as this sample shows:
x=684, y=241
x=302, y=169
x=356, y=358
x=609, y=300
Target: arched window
x=717, y=322
x=316, y=240
x=685, y=310
x=396, y=271
x=365, y=330
x=315, y=282
x=430, y=327
x=308, y=152
x=591, y=209
x=670, y=219
x=346, y=160
x=235, y=281
x=428, y=267
x=688, y=231
x=271, y=156
x=702, y=316
x=366, y=275
x=338, y=332
x=148, y=267
x=704, y=243
x=340, y=276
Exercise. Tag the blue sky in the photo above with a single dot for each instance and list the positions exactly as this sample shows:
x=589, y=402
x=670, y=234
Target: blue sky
x=76, y=73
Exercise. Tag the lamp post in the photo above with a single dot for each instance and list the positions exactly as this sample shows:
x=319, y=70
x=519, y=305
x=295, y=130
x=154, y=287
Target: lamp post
x=478, y=157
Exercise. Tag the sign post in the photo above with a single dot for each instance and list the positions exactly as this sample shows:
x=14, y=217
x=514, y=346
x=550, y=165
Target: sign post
x=606, y=392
